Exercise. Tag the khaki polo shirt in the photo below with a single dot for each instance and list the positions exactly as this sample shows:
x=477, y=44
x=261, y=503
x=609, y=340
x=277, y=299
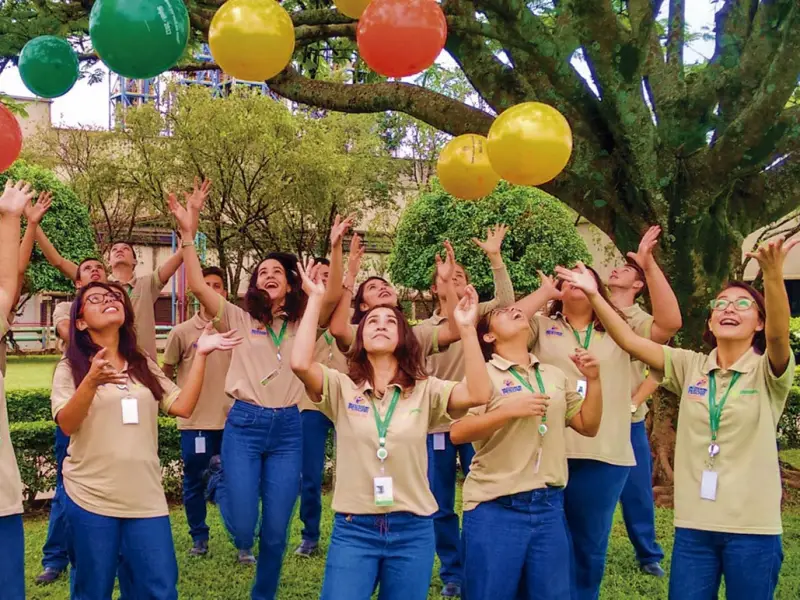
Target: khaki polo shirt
x=143, y=292
x=326, y=352
x=749, y=480
x=61, y=313
x=505, y=462
x=638, y=319
x=553, y=343
x=213, y=405
x=419, y=409
x=113, y=469
x=10, y=480
x=255, y=374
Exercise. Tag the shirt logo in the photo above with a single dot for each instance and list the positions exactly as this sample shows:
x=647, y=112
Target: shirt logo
x=554, y=330
x=358, y=406
x=510, y=388
x=194, y=344
x=258, y=332
x=699, y=389
x=415, y=411
x=748, y=392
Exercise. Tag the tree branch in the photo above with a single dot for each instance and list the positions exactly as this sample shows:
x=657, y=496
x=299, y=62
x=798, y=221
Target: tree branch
x=676, y=33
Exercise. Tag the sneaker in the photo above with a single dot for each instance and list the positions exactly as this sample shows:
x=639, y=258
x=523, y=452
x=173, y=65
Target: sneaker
x=49, y=575
x=653, y=569
x=200, y=548
x=211, y=478
x=306, y=549
x=246, y=557
x=451, y=590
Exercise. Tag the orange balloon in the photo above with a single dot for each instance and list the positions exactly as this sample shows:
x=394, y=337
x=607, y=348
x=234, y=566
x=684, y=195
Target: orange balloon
x=10, y=138
x=352, y=8
x=398, y=38
x=464, y=169
x=530, y=143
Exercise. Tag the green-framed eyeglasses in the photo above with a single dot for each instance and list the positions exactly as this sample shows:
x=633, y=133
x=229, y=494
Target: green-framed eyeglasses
x=740, y=304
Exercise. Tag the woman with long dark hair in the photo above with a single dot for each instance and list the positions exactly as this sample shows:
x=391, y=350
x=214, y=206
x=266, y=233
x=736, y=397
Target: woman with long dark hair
x=515, y=536
x=382, y=411
x=106, y=395
x=262, y=446
x=727, y=477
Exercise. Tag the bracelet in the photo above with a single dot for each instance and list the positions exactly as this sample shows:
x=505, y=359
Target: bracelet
x=187, y=244
x=348, y=288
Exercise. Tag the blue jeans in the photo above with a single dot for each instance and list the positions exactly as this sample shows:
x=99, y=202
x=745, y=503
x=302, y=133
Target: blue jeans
x=442, y=471
x=750, y=564
x=517, y=546
x=315, y=435
x=99, y=543
x=638, y=509
x=194, y=466
x=262, y=454
x=55, y=548
x=590, y=499
x=393, y=551
x=12, y=558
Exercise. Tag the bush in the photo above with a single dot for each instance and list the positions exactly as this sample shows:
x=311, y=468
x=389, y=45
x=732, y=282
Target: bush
x=25, y=406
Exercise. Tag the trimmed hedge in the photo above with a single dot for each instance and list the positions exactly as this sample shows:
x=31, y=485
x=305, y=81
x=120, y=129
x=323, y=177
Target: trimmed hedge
x=25, y=406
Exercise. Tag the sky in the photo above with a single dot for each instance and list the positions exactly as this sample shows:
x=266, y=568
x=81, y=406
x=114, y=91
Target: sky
x=89, y=105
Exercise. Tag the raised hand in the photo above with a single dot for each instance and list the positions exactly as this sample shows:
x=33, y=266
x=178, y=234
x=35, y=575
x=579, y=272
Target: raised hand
x=309, y=274
x=581, y=279
x=186, y=222
x=548, y=285
x=15, y=197
x=587, y=364
x=197, y=198
x=445, y=268
x=466, y=313
x=340, y=228
x=494, y=240
x=354, y=259
x=35, y=212
x=644, y=255
x=101, y=371
x=212, y=340
x=527, y=405
x=771, y=255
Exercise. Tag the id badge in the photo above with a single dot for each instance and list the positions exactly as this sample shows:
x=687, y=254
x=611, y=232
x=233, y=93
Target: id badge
x=538, y=460
x=581, y=388
x=438, y=441
x=273, y=374
x=708, y=485
x=200, y=445
x=130, y=411
x=384, y=495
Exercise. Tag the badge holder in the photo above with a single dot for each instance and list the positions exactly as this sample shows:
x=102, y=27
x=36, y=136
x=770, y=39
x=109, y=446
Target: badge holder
x=382, y=485
x=708, y=482
x=130, y=407
x=199, y=444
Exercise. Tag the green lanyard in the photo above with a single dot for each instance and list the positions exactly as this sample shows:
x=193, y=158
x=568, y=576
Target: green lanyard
x=585, y=343
x=529, y=387
x=383, y=424
x=328, y=338
x=715, y=408
x=278, y=339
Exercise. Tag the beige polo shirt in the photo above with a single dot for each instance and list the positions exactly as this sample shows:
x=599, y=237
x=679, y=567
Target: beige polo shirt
x=638, y=319
x=553, y=343
x=255, y=374
x=419, y=409
x=748, y=498
x=143, y=292
x=505, y=462
x=61, y=313
x=326, y=352
x=113, y=469
x=10, y=480
x=213, y=405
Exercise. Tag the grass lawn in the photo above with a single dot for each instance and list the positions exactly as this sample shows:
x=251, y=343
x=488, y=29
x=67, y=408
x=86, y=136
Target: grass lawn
x=28, y=372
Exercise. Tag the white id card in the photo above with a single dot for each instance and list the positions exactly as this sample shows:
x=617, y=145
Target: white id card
x=130, y=411
x=384, y=495
x=708, y=485
x=538, y=460
x=272, y=375
x=581, y=388
x=438, y=441
x=200, y=445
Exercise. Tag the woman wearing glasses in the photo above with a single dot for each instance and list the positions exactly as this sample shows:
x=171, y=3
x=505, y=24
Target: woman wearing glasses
x=106, y=395
x=727, y=478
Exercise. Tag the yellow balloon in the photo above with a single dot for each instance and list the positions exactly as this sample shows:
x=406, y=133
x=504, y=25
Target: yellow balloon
x=251, y=40
x=352, y=8
x=464, y=170
x=530, y=143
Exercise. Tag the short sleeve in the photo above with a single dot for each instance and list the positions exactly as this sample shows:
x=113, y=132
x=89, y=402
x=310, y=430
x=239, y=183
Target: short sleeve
x=437, y=393
x=641, y=323
x=172, y=351
x=535, y=324
x=156, y=285
x=779, y=386
x=332, y=395
x=427, y=337
x=677, y=365
x=63, y=387
x=61, y=312
x=228, y=316
x=574, y=404
x=171, y=391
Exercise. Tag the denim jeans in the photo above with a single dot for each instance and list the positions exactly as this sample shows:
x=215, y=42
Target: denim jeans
x=442, y=472
x=750, y=564
x=590, y=499
x=194, y=466
x=517, y=546
x=262, y=454
x=638, y=508
x=393, y=551
x=144, y=545
x=56, y=549
x=315, y=435
x=12, y=558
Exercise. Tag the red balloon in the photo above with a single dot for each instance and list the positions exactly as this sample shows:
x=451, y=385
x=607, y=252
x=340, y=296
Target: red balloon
x=10, y=138
x=398, y=38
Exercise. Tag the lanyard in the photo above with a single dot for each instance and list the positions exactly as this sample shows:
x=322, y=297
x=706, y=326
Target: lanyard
x=278, y=339
x=715, y=408
x=383, y=424
x=328, y=338
x=529, y=387
x=585, y=343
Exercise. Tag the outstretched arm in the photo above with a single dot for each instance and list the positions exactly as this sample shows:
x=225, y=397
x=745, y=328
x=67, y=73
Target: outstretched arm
x=340, y=320
x=13, y=201
x=68, y=268
x=34, y=214
x=535, y=301
x=302, y=359
x=450, y=332
x=334, y=288
x=503, y=287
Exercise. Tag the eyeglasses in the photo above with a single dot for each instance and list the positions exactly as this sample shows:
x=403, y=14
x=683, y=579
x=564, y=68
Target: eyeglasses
x=740, y=304
x=102, y=298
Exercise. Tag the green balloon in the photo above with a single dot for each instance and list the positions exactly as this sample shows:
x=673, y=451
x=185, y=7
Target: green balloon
x=48, y=66
x=139, y=39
